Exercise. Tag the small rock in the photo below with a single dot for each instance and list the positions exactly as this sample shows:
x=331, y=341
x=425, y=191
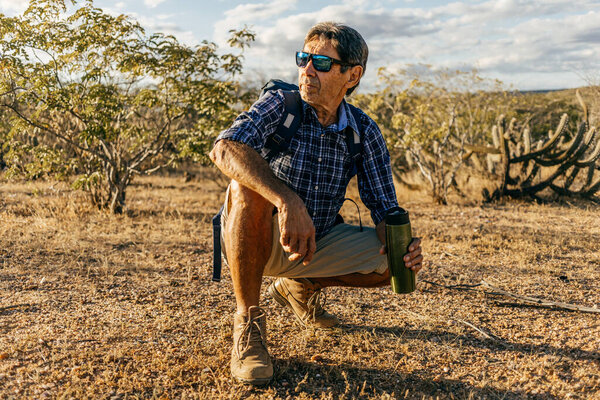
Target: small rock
x=3, y=356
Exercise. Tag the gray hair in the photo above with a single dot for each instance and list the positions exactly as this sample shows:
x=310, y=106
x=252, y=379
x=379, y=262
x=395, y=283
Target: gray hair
x=349, y=44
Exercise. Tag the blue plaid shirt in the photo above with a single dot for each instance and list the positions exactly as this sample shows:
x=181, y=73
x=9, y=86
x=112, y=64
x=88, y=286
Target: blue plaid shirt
x=317, y=165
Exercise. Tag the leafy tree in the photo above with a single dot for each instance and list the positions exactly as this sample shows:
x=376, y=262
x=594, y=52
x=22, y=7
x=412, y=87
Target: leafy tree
x=93, y=95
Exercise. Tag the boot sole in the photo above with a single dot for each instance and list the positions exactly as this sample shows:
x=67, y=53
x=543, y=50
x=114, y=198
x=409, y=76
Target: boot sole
x=253, y=382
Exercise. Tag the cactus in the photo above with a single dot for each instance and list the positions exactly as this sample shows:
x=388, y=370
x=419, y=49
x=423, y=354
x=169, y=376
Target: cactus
x=525, y=168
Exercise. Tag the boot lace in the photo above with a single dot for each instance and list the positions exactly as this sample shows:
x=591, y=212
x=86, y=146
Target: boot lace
x=251, y=330
x=315, y=304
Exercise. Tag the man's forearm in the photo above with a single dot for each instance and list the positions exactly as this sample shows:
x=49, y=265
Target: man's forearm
x=243, y=164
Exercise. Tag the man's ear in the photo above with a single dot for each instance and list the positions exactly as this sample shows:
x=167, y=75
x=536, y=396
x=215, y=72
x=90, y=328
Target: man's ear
x=355, y=75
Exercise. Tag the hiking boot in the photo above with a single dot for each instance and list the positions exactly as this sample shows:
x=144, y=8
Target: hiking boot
x=250, y=360
x=303, y=297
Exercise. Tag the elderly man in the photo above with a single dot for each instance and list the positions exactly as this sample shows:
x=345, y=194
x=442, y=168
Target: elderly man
x=279, y=217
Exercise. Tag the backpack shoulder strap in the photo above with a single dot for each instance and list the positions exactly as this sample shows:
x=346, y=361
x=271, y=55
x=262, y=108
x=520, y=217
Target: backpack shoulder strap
x=216, y=221
x=288, y=124
x=353, y=140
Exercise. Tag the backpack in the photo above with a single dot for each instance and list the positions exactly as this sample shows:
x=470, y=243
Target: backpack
x=280, y=142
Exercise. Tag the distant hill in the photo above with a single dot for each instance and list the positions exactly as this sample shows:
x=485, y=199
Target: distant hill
x=543, y=90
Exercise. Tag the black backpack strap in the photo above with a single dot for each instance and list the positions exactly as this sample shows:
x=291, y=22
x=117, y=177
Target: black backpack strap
x=217, y=246
x=353, y=142
x=288, y=124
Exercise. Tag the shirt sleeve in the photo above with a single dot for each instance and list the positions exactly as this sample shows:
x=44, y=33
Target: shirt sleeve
x=254, y=126
x=375, y=182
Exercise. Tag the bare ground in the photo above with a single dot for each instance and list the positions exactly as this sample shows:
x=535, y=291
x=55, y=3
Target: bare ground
x=101, y=306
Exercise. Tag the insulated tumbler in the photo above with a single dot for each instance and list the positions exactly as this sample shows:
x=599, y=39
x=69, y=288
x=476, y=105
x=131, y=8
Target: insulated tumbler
x=397, y=239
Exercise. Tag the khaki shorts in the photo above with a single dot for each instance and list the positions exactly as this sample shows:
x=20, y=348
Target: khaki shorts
x=344, y=250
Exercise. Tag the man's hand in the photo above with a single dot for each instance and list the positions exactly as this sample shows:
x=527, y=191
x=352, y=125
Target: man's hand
x=297, y=232
x=413, y=259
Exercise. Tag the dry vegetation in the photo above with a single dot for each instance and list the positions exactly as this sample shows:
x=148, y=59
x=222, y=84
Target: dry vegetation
x=94, y=305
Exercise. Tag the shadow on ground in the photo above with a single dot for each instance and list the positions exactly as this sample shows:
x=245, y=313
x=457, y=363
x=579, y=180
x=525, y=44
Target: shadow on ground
x=294, y=377
x=475, y=341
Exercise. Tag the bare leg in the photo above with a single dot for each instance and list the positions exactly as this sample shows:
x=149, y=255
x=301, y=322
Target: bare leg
x=248, y=240
x=356, y=280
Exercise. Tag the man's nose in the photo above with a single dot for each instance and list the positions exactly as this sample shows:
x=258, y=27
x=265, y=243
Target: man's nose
x=309, y=69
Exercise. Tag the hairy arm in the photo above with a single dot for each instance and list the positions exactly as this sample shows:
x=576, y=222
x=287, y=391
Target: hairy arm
x=243, y=164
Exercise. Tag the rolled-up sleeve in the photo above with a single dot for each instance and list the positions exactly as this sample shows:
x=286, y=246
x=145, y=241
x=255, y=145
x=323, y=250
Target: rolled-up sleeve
x=375, y=182
x=254, y=126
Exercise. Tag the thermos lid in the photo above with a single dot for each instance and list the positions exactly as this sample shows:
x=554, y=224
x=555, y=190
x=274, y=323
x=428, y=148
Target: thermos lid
x=397, y=216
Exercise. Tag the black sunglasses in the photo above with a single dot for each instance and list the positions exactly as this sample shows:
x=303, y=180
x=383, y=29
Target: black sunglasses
x=321, y=63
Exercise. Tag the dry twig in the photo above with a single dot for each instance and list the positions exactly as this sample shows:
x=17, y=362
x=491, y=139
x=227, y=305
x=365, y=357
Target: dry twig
x=539, y=302
x=486, y=335
x=461, y=286
x=525, y=299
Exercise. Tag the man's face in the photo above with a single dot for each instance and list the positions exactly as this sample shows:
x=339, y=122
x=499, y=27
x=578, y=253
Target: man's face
x=322, y=89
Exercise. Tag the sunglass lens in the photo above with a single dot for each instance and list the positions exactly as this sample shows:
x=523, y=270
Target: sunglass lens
x=302, y=58
x=322, y=63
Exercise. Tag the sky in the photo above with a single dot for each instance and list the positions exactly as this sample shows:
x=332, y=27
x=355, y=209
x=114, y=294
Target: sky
x=527, y=44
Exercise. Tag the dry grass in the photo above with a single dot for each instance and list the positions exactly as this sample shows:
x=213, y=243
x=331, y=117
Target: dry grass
x=100, y=306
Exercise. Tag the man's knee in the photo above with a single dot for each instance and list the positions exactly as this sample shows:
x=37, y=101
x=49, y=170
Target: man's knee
x=252, y=203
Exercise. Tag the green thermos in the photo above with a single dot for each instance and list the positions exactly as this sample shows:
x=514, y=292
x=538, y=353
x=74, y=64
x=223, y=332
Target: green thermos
x=397, y=239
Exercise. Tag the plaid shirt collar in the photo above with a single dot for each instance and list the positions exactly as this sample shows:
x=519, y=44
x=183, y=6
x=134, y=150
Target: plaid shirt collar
x=345, y=117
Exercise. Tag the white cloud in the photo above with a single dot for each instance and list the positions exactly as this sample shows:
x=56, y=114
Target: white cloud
x=153, y=3
x=13, y=7
x=510, y=39
x=250, y=14
x=159, y=23
x=162, y=24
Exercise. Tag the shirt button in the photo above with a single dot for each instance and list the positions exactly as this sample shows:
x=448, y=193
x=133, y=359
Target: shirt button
x=316, y=187
x=320, y=159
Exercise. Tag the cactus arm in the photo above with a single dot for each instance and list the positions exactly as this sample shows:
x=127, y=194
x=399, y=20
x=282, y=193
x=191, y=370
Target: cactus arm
x=526, y=140
x=560, y=129
x=518, y=149
x=495, y=139
x=590, y=177
x=574, y=147
x=571, y=178
x=562, y=191
x=591, y=159
x=583, y=106
x=586, y=191
x=548, y=181
x=532, y=175
x=592, y=189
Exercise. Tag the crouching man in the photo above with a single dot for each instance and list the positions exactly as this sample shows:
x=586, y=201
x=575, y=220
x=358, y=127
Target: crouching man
x=280, y=217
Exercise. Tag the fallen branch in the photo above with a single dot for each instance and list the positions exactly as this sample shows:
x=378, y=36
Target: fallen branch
x=538, y=302
x=525, y=299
